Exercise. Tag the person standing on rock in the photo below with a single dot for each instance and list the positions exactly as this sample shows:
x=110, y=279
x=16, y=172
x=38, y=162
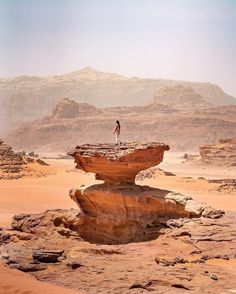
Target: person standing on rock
x=117, y=132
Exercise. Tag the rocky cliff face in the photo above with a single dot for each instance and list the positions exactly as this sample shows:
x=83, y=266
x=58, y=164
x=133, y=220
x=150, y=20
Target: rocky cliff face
x=119, y=211
x=180, y=97
x=223, y=153
x=183, y=129
x=27, y=97
x=67, y=108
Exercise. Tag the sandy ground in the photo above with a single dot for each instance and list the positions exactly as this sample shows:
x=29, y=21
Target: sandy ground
x=174, y=162
x=29, y=195
x=15, y=282
x=197, y=189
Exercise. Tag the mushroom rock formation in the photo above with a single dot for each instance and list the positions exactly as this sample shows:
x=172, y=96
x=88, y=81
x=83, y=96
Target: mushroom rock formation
x=118, y=210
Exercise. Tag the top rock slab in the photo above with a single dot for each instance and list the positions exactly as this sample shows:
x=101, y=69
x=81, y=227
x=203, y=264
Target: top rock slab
x=113, y=163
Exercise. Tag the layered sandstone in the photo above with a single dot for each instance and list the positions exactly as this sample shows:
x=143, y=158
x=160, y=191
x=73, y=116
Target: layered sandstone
x=118, y=211
x=115, y=164
x=10, y=162
x=67, y=108
x=222, y=153
x=192, y=255
x=180, y=97
x=14, y=165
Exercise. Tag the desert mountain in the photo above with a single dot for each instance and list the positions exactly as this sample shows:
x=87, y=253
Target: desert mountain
x=70, y=121
x=67, y=108
x=25, y=98
x=181, y=97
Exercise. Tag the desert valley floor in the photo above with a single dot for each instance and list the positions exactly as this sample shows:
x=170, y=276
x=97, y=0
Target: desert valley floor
x=31, y=195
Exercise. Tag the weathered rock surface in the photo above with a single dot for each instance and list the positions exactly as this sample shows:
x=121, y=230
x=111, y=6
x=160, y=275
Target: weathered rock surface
x=67, y=108
x=132, y=213
x=10, y=162
x=16, y=165
x=223, y=153
x=182, y=96
x=119, y=211
x=58, y=221
x=119, y=164
x=197, y=254
x=152, y=172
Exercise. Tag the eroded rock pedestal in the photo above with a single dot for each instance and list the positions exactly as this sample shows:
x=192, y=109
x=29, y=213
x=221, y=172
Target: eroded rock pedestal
x=119, y=211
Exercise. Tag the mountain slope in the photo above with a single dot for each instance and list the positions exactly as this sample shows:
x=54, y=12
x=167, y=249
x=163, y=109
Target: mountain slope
x=26, y=97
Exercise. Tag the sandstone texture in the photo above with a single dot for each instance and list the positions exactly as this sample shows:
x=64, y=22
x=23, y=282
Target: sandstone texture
x=118, y=164
x=191, y=254
x=222, y=153
x=118, y=211
x=16, y=165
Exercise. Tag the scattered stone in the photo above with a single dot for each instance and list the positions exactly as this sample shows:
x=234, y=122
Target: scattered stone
x=180, y=286
x=4, y=237
x=179, y=259
x=74, y=264
x=28, y=267
x=141, y=286
x=213, y=277
x=47, y=256
x=165, y=262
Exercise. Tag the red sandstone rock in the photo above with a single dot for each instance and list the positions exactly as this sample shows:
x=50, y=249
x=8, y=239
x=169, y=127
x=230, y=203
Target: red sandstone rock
x=16, y=165
x=119, y=211
x=223, y=153
x=118, y=164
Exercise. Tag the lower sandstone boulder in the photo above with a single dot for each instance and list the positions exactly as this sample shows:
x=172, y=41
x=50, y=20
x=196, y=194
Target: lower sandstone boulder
x=129, y=213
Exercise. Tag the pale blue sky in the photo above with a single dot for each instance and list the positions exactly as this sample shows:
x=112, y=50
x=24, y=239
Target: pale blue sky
x=177, y=39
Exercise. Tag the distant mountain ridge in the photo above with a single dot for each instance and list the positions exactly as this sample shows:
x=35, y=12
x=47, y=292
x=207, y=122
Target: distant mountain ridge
x=25, y=98
x=71, y=123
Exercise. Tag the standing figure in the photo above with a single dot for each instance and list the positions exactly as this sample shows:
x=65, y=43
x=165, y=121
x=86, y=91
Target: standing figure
x=117, y=132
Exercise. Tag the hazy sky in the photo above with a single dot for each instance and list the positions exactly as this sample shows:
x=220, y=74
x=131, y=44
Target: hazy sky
x=176, y=39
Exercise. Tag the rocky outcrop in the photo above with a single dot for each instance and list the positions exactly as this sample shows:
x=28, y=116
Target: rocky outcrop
x=118, y=164
x=10, y=162
x=118, y=211
x=15, y=165
x=67, y=108
x=190, y=254
x=223, y=153
x=180, y=97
